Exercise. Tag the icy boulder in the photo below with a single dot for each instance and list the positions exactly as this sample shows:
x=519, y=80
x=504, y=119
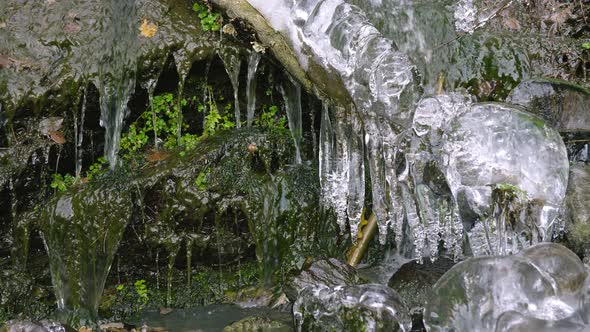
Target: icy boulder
x=505, y=172
x=541, y=289
x=497, y=146
x=369, y=308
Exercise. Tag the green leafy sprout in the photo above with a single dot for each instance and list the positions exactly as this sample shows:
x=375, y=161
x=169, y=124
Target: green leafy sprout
x=62, y=182
x=209, y=20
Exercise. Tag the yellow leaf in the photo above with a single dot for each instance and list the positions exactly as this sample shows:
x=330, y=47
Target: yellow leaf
x=148, y=29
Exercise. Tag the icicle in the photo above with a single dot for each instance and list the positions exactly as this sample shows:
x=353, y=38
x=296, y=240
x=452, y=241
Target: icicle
x=231, y=60
x=171, y=259
x=75, y=116
x=291, y=92
x=158, y=269
x=206, y=92
x=150, y=86
x=253, y=60
x=326, y=142
x=334, y=165
x=183, y=61
x=79, y=151
x=314, y=140
x=189, y=255
x=356, y=173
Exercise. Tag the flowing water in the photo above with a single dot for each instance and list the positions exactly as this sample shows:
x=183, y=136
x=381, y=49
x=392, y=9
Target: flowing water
x=116, y=79
x=253, y=61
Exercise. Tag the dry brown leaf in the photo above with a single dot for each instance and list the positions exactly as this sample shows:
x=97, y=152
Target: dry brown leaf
x=156, y=155
x=148, y=29
x=57, y=137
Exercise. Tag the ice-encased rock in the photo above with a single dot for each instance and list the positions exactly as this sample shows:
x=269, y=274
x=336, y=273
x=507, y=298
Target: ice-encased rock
x=327, y=273
x=367, y=308
x=484, y=152
x=542, y=287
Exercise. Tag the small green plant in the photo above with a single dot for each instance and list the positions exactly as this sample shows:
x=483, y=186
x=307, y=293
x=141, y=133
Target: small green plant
x=62, y=182
x=209, y=20
x=216, y=120
x=510, y=189
x=160, y=121
x=141, y=290
x=201, y=181
x=96, y=169
x=586, y=45
x=270, y=119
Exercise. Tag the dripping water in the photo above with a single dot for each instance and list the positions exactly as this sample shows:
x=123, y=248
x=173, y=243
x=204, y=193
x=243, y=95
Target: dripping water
x=80, y=141
x=253, y=61
x=291, y=91
x=116, y=79
x=231, y=60
x=206, y=100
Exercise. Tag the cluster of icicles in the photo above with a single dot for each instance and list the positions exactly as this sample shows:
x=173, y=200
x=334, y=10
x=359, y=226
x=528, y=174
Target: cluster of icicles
x=379, y=131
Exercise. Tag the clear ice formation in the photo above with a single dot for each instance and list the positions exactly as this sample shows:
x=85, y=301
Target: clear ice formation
x=346, y=308
x=543, y=288
x=380, y=79
x=465, y=158
x=438, y=167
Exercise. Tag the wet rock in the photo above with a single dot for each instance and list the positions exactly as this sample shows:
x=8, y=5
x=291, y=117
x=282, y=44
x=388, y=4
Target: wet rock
x=414, y=281
x=578, y=207
x=68, y=46
x=562, y=104
x=327, y=273
x=546, y=283
x=257, y=324
x=350, y=308
x=81, y=229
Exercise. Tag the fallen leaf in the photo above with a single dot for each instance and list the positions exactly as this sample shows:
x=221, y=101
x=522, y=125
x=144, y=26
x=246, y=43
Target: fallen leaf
x=57, y=137
x=2, y=25
x=148, y=29
x=156, y=155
